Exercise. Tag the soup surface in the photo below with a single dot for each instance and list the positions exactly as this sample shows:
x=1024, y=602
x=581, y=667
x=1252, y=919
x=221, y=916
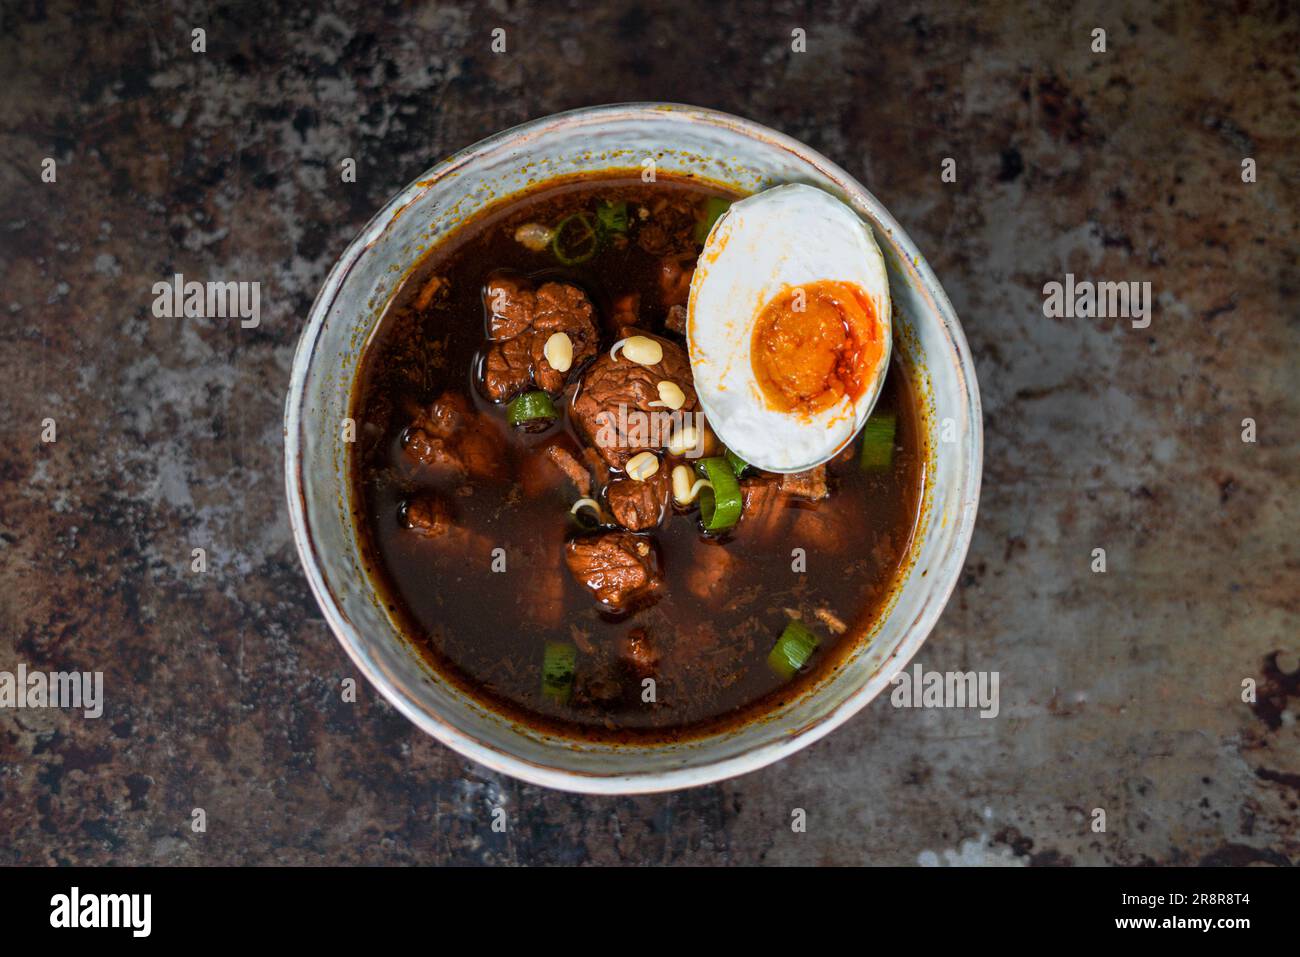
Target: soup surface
x=621, y=618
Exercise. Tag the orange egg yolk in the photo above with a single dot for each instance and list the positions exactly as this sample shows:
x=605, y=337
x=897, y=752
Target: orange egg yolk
x=814, y=345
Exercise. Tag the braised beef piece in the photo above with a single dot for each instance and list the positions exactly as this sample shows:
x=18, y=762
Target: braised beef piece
x=762, y=505
x=542, y=586
x=520, y=321
x=445, y=415
x=810, y=485
x=675, y=321
x=450, y=435
x=594, y=462
x=609, y=385
x=822, y=528
x=710, y=571
x=432, y=517
x=675, y=281
x=766, y=501
x=639, y=653
x=428, y=515
x=670, y=228
x=508, y=368
x=638, y=506
x=570, y=466
x=616, y=567
x=757, y=492
x=626, y=309
x=654, y=239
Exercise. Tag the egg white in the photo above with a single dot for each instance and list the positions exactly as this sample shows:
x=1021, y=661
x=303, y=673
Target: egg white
x=783, y=237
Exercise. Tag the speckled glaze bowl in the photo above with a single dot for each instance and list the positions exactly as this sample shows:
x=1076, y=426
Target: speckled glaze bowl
x=680, y=139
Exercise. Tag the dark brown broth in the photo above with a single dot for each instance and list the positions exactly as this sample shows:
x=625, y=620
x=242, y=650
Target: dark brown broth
x=478, y=627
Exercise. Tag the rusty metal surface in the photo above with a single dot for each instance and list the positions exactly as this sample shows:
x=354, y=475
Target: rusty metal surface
x=1121, y=691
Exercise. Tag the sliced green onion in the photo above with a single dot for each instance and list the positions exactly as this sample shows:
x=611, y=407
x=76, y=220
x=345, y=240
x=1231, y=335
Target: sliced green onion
x=530, y=407
x=612, y=216
x=714, y=207
x=738, y=465
x=792, y=649
x=558, y=665
x=878, y=441
x=575, y=240
x=719, y=505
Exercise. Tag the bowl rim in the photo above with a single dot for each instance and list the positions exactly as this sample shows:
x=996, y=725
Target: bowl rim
x=763, y=753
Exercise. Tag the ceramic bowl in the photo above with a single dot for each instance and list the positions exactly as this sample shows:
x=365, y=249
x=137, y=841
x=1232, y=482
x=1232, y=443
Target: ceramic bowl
x=679, y=139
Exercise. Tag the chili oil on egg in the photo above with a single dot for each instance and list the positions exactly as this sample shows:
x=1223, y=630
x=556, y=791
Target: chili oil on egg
x=789, y=327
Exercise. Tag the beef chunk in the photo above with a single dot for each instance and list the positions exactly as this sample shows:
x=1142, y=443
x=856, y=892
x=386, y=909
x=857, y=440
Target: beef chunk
x=427, y=515
x=669, y=229
x=562, y=307
x=757, y=494
x=481, y=449
x=555, y=469
x=810, y=485
x=520, y=321
x=822, y=528
x=543, y=586
x=762, y=506
x=445, y=415
x=615, y=567
x=508, y=368
x=710, y=572
x=626, y=309
x=766, y=500
x=511, y=304
x=639, y=654
x=675, y=321
x=430, y=516
x=594, y=462
x=450, y=435
x=429, y=450
x=638, y=506
x=570, y=466
x=675, y=281
x=611, y=384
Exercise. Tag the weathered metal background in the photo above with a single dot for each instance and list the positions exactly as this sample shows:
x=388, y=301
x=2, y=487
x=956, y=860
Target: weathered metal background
x=1120, y=691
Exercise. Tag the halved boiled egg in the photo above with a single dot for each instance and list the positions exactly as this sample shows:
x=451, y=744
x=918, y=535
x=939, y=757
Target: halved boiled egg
x=788, y=327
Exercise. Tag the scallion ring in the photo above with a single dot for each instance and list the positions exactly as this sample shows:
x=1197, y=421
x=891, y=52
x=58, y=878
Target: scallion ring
x=559, y=661
x=530, y=407
x=714, y=207
x=792, y=649
x=878, y=441
x=738, y=465
x=576, y=239
x=720, y=503
x=612, y=216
